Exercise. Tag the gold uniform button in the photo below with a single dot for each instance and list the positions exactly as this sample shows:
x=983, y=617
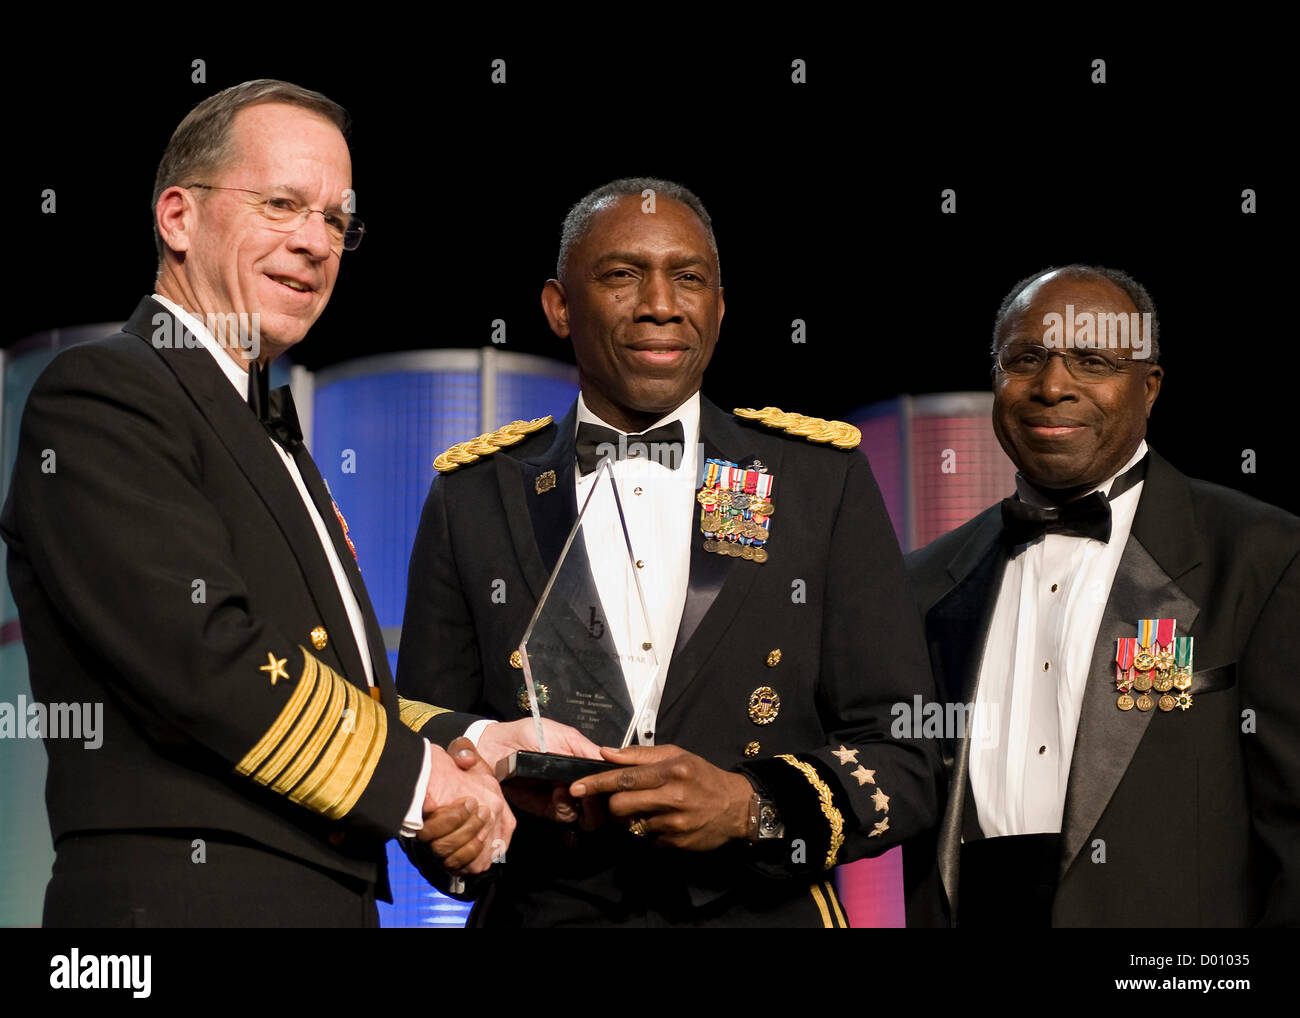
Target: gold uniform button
x=636, y=491
x=640, y=564
x=319, y=638
x=774, y=658
x=752, y=749
x=516, y=659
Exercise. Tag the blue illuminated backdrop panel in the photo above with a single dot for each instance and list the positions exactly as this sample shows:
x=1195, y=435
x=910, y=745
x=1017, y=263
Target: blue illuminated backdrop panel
x=377, y=425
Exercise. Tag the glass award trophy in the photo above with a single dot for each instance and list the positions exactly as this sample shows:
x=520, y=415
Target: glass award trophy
x=589, y=656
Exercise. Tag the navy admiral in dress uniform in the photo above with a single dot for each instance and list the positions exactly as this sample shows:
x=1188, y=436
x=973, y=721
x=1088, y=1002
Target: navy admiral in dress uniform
x=1123, y=633
x=769, y=566
x=175, y=555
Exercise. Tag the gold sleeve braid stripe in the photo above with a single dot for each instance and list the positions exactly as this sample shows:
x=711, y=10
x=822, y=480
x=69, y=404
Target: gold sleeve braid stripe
x=322, y=749
x=832, y=815
x=467, y=452
x=820, y=899
x=837, y=433
x=835, y=904
x=336, y=699
x=415, y=715
x=822, y=893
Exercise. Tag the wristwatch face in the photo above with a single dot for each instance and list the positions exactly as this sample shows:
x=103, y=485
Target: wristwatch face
x=769, y=821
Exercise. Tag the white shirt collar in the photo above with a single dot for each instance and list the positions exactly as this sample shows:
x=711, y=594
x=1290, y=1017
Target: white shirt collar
x=1032, y=496
x=238, y=378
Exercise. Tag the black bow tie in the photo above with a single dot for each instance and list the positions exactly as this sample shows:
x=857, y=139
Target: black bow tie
x=1085, y=517
x=273, y=407
x=595, y=442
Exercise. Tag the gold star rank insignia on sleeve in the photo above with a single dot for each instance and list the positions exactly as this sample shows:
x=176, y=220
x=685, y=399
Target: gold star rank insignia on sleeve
x=881, y=800
x=845, y=756
x=864, y=776
x=275, y=667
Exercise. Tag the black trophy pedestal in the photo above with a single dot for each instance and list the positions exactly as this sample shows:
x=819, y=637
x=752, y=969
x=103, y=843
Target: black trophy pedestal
x=548, y=768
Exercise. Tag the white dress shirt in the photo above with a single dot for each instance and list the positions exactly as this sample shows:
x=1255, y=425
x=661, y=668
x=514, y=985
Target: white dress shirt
x=239, y=379
x=1035, y=668
x=657, y=505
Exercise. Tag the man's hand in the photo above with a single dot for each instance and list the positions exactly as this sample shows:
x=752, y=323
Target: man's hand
x=684, y=800
x=455, y=833
x=467, y=837
x=503, y=738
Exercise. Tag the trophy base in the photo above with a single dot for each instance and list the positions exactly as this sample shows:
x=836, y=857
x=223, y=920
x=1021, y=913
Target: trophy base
x=548, y=768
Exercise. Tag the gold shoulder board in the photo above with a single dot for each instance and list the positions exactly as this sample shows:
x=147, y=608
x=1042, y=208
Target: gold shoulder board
x=467, y=452
x=836, y=433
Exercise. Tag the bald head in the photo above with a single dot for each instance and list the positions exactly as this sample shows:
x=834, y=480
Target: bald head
x=1126, y=292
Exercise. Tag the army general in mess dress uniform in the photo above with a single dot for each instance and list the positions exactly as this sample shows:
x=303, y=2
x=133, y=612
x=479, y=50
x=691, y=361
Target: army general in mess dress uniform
x=769, y=568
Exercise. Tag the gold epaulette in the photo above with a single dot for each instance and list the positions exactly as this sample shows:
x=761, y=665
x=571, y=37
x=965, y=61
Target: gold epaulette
x=837, y=433
x=467, y=452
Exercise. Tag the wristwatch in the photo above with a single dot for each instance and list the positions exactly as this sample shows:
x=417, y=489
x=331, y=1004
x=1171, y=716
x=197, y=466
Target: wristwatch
x=764, y=820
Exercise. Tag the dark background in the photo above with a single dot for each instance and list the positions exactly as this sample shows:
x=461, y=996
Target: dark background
x=825, y=199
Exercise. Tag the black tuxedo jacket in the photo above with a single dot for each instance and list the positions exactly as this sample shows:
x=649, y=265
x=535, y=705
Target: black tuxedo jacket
x=162, y=561
x=831, y=598
x=1193, y=812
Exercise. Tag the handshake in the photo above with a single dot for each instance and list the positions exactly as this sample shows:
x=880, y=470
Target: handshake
x=467, y=822
x=675, y=797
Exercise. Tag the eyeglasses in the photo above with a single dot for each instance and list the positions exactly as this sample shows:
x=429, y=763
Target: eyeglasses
x=288, y=215
x=1027, y=359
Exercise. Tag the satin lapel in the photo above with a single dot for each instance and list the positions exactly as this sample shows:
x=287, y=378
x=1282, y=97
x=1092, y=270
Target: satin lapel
x=374, y=637
x=718, y=584
x=1161, y=546
x=957, y=630
x=540, y=522
x=251, y=448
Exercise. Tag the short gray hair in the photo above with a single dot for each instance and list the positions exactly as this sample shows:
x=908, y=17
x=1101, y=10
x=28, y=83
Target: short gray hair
x=578, y=221
x=1137, y=293
x=201, y=146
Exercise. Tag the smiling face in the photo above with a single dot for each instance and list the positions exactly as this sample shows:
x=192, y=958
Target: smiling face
x=641, y=302
x=1060, y=432
x=232, y=259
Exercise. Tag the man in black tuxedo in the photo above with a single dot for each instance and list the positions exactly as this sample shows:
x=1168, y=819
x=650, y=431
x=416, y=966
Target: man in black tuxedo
x=765, y=758
x=1091, y=791
x=179, y=561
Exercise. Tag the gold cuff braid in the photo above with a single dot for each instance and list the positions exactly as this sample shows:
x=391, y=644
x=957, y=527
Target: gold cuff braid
x=415, y=715
x=827, y=800
x=323, y=747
